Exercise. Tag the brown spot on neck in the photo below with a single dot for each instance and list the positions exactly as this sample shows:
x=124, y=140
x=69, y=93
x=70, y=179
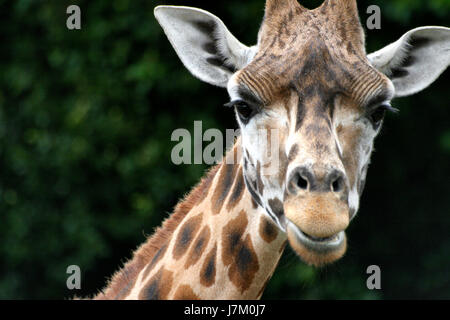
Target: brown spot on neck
x=245, y=265
x=232, y=235
x=185, y=292
x=223, y=186
x=238, y=191
x=158, y=286
x=208, y=270
x=185, y=236
x=198, y=247
x=267, y=230
x=238, y=253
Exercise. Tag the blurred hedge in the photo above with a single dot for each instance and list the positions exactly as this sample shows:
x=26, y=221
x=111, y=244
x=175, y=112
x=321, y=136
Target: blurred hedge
x=85, y=171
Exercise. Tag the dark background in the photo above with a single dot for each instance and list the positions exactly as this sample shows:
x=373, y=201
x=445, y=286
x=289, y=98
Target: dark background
x=85, y=173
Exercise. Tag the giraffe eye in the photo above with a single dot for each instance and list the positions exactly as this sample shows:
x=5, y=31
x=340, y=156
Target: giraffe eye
x=377, y=115
x=244, y=110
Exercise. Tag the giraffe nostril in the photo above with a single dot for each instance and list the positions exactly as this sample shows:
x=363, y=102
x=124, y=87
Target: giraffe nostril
x=297, y=182
x=302, y=183
x=338, y=184
x=300, y=179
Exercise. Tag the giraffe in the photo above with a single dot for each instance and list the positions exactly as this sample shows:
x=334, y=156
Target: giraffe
x=309, y=80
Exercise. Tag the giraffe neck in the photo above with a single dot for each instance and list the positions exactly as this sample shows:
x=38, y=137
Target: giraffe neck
x=218, y=244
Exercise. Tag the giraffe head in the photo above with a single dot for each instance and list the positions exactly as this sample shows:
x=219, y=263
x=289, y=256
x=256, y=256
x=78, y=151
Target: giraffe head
x=309, y=102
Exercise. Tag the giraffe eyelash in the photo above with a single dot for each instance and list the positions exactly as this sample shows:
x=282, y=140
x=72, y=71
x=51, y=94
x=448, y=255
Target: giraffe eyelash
x=235, y=102
x=244, y=109
x=388, y=107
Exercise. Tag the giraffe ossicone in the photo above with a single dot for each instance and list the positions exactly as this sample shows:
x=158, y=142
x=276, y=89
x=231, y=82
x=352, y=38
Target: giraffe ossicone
x=309, y=78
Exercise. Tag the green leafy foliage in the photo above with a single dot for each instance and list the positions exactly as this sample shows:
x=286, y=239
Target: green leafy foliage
x=86, y=118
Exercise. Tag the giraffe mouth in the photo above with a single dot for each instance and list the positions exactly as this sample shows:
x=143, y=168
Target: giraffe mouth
x=317, y=243
x=328, y=240
x=316, y=251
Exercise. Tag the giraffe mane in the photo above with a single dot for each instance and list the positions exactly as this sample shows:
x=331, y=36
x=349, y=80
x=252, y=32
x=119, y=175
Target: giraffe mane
x=120, y=282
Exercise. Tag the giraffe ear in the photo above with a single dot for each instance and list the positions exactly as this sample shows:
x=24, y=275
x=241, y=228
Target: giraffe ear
x=203, y=43
x=415, y=60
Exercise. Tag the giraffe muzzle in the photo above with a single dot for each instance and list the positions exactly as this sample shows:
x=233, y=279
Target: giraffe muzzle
x=315, y=226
